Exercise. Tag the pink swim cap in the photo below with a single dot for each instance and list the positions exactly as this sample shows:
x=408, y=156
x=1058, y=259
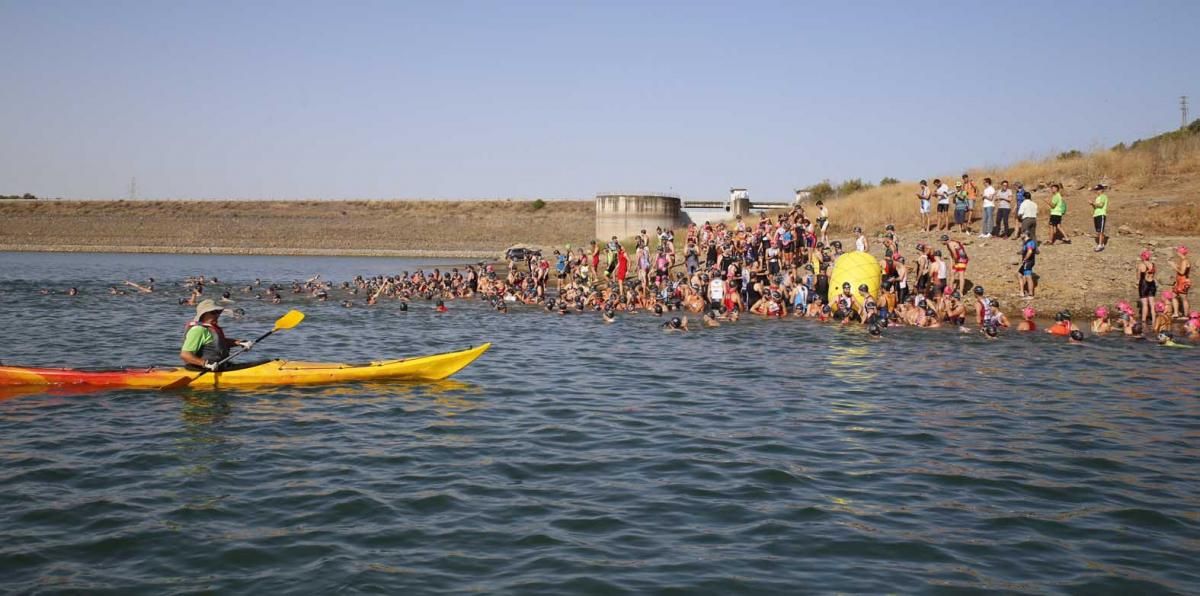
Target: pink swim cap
x=1028, y=312
x=1146, y=255
x=1182, y=250
x=1160, y=307
x=1168, y=295
x=1195, y=314
x=1101, y=312
x=948, y=291
x=1124, y=307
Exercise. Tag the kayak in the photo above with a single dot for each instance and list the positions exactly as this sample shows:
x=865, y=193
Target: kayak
x=274, y=372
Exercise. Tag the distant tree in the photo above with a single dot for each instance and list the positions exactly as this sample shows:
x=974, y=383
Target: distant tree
x=821, y=190
x=1072, y=154
x=852, y=185
x=538, y=204
x=888, y=181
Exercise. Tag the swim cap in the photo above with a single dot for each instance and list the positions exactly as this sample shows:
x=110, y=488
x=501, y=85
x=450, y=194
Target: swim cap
x=889, y=227
x=945, y=238
x=948, y=291
x=1124, y=307
x=994, y=303
x=1076, y=335
x=675, y=322
x=1194, y=315
x=1168, y=295
x=1058, y=316
x=862, y=287
x=1028, y=312
x=1146, y=254
x=1101, y=312
x=609, y=313
x=845, y=285
x=920, y=247
x=874, y=330
x=978, y=290
x=1160, y=307
x=1164, y=337
x=1183, y=250
x=990, y=330
x=1066, y=315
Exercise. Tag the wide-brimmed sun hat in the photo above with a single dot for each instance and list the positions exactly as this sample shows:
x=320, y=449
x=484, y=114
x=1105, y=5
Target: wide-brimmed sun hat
x=206, y=306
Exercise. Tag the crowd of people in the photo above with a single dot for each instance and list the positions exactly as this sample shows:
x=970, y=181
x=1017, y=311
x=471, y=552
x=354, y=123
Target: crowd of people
x=780, y=266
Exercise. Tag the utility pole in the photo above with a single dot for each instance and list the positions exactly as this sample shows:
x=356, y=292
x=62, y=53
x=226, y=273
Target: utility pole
x=133, y=188
x=1183, y=111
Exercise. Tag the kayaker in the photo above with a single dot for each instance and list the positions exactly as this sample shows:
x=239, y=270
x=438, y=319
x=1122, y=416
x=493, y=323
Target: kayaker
x=205, y=344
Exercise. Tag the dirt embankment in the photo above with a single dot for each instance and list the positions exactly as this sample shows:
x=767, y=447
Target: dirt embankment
x=369, y=228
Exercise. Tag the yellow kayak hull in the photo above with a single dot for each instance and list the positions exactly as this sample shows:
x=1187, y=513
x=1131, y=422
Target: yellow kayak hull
x=275, y=372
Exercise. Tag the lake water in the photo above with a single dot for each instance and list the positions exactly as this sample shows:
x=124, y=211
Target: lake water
x=582, y=458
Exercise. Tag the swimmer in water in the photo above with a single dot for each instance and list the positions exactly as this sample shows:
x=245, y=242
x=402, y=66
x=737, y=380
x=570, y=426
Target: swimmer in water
x=73, y=292
x=1168, y=340
x=1076, y=337
x=711, y=319
x=676, y=324
x=1027, y=323
x=1101, y=325
x=609, y=315
x=440, y=306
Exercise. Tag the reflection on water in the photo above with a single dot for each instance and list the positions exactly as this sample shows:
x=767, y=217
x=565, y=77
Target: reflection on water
x=578, y=457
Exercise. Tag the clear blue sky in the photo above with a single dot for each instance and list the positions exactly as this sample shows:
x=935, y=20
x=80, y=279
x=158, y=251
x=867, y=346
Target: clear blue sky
x=445, y=99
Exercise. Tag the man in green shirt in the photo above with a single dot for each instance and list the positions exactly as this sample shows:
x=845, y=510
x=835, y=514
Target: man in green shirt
x=205, y=344
x=1100, y=216
x=1058, y=208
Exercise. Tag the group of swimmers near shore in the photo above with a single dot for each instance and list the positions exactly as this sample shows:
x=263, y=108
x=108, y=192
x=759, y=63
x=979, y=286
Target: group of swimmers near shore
x=777, y=267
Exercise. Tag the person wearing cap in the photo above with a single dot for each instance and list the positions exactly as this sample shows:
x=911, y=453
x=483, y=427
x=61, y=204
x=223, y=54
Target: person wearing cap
x=204, y=343
x=962, y=206
x=1100, y=216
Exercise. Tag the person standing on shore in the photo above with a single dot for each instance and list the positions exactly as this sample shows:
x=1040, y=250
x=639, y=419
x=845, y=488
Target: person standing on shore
x=1100, y=217
x=1058, y=209
x=1025, y=276
x=972, y=196
x=989, y=209
x=823, y=221
x=1183, y=281
x=1147, y=287
x=1027, y=212
x=958, y=254
x=1004, y=198
x=962, y=208
x=923, y=199
x=943, y=205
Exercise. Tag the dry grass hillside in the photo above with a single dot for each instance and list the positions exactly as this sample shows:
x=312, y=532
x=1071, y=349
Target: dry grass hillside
x=478, y=228
x=1155, y=188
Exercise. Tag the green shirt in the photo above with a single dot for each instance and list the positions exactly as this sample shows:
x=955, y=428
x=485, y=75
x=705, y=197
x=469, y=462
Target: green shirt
x=1100, y=206
x=197, y=337
x=1057, y=205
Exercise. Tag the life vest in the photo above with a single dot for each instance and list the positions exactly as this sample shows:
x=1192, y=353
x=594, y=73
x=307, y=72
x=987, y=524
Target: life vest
x=213, y=351
x=1060, y=328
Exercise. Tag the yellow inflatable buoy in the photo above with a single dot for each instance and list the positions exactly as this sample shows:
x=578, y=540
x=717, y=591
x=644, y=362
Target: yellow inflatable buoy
x=855, y=268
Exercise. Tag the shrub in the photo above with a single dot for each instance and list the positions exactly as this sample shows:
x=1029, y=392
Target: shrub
x=1072, y=154
x=888, y=181
x=852, y=186
x=538, y=204
x=821, y=190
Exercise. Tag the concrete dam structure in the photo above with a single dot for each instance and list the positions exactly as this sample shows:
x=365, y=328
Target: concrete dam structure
x=625, y=215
